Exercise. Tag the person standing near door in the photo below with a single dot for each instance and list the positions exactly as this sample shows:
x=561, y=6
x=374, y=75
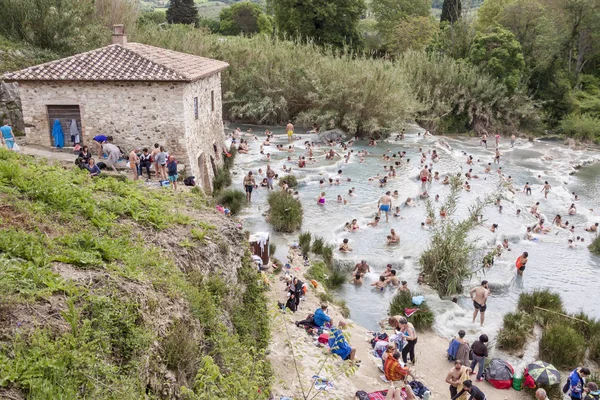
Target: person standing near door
x=8, y=138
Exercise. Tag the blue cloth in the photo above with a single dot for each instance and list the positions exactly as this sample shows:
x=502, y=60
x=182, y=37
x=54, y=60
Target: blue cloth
x=453, y=348
x=8, y=136
x=575, y=384
x=100, y=138
x=58, y=135
x=320, y=317
x=338, y=344
x=172, y=168
x=95, y=170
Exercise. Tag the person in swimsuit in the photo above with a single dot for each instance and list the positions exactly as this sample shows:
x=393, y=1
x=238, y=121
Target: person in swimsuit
x=321, y=199
x=527, y=189
x=345, y=246
x=424, y=175
x=385, y=205
x=249, y=184
x=521, y=263
x=484, y=140
x=546, y=189
x=270, y=176
x=497, y=158
x=290, y=131
x=479, y=296
x=361, y=268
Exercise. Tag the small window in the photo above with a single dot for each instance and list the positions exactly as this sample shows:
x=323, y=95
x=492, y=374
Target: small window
x=195, y=108
x=212, y=100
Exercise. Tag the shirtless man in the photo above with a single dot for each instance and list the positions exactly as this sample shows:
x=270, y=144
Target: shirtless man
x=345, y=246
x=484, y=140
x=134, y=163
x=270, y=177
x=394, y=238
x=424, y=175
x=289, y=128
x=479, y=295
x=388, y=271
x=454, y=376
x=392, y=279
x=385, y=205
x=593, y=228
x=153, y=154
x=527, y=189
x=362, y=268
x=380, y=284
x=249, y=184
x=375, y=222
x=534, y=209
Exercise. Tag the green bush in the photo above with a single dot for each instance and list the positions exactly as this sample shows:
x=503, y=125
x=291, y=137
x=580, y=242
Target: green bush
x=562, y=346
x=327, y=255
x=317, y=245
x=595, y=246
x=285, y=212
x=331, y=278
x=422, y=319
x=304, y=242
x=272, y=249
x=233, y=199
x=517, y=327
x=221, y=180
x=290, y=179
x=542, y=298
x=581, y=127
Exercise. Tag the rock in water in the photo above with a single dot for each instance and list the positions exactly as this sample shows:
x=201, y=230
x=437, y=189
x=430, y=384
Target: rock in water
x=335, y=135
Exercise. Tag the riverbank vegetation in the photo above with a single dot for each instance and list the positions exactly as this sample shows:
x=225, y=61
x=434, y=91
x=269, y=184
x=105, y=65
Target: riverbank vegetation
x=422, y=319
x=565, y=337
x=447, y=262
x=107, y=292
x=285, y=212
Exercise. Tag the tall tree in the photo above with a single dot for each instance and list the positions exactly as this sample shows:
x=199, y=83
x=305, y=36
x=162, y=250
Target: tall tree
x=389, y=13
x=182, y=12
x=451, y=10
x=324, y=21
x=244, y=17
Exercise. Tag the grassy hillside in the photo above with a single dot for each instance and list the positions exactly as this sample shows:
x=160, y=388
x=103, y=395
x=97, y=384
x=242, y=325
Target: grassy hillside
x=113, y=290
x=15, y=56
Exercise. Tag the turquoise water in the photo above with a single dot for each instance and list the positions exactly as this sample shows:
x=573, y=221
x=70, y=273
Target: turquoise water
x=574, y=273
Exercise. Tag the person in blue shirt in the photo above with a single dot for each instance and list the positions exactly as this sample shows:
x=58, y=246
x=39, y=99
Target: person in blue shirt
x=320, y=318
x=577, y=382
x=93, y=168
x=99, y=140
x=339, y=345
x=7, y=136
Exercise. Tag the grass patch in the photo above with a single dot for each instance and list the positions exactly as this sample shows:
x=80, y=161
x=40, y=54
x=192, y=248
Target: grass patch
x=331, y=278
x=318, y=245
x=517, y=327
x=594, y=247
x=233, y=199
x=304, y=242
x=422, y=319
x=285, y=212
x=562, y=346
x=541, y=298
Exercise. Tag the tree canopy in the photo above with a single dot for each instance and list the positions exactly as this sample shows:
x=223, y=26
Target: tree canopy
x=324, y=21
x=390, y=13
x=182, y=12
x=451, y=10
x=244, y=17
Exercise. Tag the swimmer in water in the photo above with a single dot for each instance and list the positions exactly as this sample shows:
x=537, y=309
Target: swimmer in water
x=345, y=247
x=521, y=263
x=446, y=180
x=409, y=202
x=380, y=284
x=357, y=279
x=385, y=205
x=321, y=199
x=354, y=226
x=572, y=209
x=393, y=238
x=397, y=213
x=505, y=244
x=527, y=189
x=375, y=222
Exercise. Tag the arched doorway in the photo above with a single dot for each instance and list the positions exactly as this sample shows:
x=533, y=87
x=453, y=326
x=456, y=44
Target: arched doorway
x=203, y=178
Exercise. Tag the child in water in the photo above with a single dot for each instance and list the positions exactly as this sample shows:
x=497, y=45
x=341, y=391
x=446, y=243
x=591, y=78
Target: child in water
x=380, y=284
x=321, y=199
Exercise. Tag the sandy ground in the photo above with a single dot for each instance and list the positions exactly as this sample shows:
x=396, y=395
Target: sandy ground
x=431, y=367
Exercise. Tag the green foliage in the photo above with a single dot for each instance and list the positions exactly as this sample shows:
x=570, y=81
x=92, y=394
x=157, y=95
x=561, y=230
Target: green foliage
x=285, y=212
x=233, y=199
x=422, y=319
x=62, y=26
x=517, y=327
x=182, y=12
x=447, y=261
x=221, y=180
x=330, y=277
x=181, y=351
x=244, y=17
x=390, y=13
x=413, y=33
x=17, y=55
x=562, y=346
x=451, y=10
x=581, y=127
x=318, y=245
x=304, y=242
x=272, y=248
x=327, y=254
x=454, y=40
x=542, y=298
x=153, y=17
x=499, y=54
x=290, y=179
x=325, y=22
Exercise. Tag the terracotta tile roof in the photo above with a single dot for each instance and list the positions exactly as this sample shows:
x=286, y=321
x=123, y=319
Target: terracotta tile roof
x=132, y=62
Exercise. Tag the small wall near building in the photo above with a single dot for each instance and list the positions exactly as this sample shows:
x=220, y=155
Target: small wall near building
x=136, y=114
x=205, y=133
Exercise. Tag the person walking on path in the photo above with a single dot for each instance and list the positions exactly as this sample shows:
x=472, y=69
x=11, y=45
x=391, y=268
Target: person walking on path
x=480, y=352
x=7, y=136
x=576, y=383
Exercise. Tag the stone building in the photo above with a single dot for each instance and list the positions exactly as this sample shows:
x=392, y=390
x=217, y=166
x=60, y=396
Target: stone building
x=137, y=93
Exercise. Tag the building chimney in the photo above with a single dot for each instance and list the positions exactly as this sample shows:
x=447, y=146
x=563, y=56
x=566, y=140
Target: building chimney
x=118, y=36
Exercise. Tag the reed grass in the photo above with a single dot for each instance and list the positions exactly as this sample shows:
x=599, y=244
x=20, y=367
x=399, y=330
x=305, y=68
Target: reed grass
x=285, y=212
x=517, y=328
x=233, y=199
x=562, y=346
x=422, y=319
x=304, y=242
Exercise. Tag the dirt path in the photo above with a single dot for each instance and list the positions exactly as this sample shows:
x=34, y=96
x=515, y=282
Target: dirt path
x=431, y=368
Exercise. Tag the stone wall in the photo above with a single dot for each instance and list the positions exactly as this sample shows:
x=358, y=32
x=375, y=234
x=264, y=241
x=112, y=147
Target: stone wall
x=136, y=114
x=10, y=106
x=204, y=134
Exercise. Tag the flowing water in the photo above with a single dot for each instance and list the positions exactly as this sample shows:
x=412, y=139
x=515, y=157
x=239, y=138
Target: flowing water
x=574, y=273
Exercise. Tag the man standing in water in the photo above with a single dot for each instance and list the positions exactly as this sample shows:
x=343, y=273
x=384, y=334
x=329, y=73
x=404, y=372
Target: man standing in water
x=546, y=189
x=361, y=268
x=270, y=176
x=249, y=184
x=424, y=175
x=385, y=205
x=479, y=296
x=290, y=131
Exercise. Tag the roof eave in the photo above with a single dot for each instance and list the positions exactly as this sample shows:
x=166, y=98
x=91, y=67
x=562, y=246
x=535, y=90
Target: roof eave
x=207, y=74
